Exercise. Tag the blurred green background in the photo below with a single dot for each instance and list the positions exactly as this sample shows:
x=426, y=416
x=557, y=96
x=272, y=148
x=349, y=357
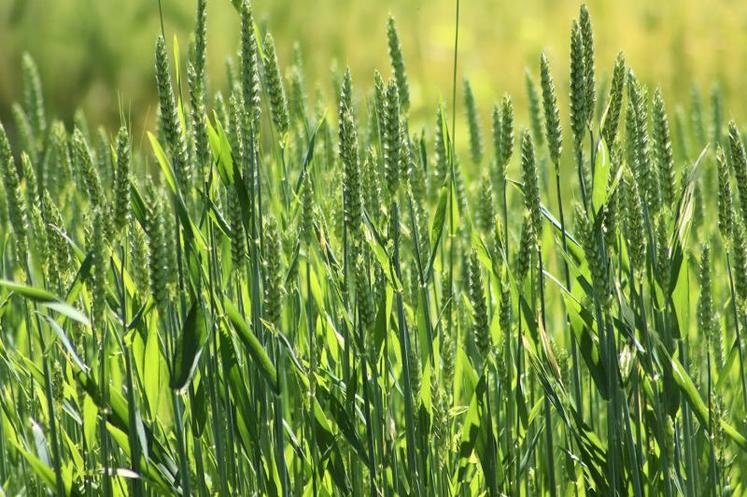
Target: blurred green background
x=98, y=54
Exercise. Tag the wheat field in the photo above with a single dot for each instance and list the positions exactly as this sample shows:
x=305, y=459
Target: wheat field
x=308, y=286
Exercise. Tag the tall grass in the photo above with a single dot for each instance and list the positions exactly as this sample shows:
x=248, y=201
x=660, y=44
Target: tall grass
x=286, y=295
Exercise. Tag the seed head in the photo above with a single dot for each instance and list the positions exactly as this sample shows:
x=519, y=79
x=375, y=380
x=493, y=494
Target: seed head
x=250, y=83
x=475, y=136
x=33, y=100
x=587, y=39
x=739, y=163
x=535, y=113
x=480, y=324
x=274, y=84
x=122, y=180
x=725, y=207
x=398, y=64
x=552, y=112
x=392, y=139
x=578, y=85
x=531, y=184
x=612, y=116
x=172, y=128
x=663, y=150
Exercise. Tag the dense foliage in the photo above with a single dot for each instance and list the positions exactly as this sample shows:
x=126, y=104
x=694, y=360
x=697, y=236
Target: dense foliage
x=283, y=295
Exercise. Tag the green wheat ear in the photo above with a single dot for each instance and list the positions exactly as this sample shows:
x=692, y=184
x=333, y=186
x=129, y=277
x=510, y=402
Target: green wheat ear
x=351, y=183
x=480, y=324
x=552, y=112
x=100, y=258
x=273, y=278
x=250, y=83
x=614, y=107
x=740, y=262
x=633, y=223
x=33, y=100
x=275, y=88
x=172, y=128
x=578, y=86
x=392, y=139
x=485, y=210
x=587, y=39
x=122, y=180
x=531, y=183
x=17, y=211
x=663, y=149
x=475, y=137
x=739, y=163
x=706, y=313
x=397, y=61
x=725, y=207
x=535, y=112
x=84, y=164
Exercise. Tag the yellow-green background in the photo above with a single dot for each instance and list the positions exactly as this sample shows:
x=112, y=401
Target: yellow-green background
x=98, y=53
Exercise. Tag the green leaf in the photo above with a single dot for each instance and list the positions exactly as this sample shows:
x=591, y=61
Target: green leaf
x=252, y=343
x=32, y=293
x=189, y=347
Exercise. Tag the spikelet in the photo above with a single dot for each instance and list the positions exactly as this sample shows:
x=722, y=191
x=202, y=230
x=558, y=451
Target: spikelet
x=587, y=39
x=578, y=86
x=273, y=278
x=527, y=247
x=199, y=135
x=480, y=323
x=139, y=257
x=160, y=266
x=122, y=181
x=725, y=207
x=475, y=136
x=612, y=115
x=33, y=100
x=172, y=128
x=364, y=297
x=663, y=150
x=696, y=117
x=535, y=113
x=61, y=260
x=238, y=234
x=739, y=262
x=552, y=113
x=398, y=64
x=250, y=84
x=103, y=156
x=662, y=252
x=739, y=163
x=351, y=183
x=633, y=223
x=87, y=171
x=594, y=257
x=485, y=210
x=440, y=152
x=646, y=178
x=296, y=93
x=531, y=184
x=40, y=242
x=100, y=259
x=25, y=132
x=29, y=178
x=392, y=140
x=275, y=88
x=706, y=314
